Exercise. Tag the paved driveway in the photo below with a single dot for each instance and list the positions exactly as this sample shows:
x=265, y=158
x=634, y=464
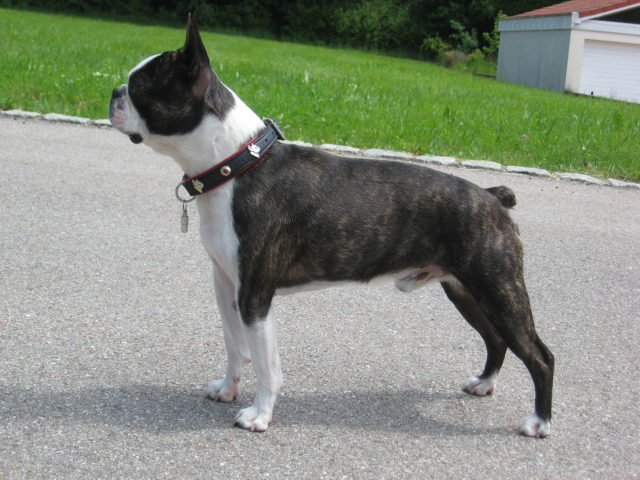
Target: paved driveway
x=109, y=334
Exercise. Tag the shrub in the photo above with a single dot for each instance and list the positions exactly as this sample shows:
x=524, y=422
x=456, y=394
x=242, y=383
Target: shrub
x=434, y=47
x=466, y=41
x=453, y=59
x=376, y=24
x=492, y=39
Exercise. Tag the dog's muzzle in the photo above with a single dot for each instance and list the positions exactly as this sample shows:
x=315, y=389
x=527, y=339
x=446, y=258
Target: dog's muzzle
x=117, y=97
x=117, y=109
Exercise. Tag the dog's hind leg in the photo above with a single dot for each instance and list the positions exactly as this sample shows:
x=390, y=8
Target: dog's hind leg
x=506, y=304
x=483, y=384
x=227, y=389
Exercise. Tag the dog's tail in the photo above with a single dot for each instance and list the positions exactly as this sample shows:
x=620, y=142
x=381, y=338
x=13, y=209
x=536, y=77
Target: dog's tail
x=504, y=194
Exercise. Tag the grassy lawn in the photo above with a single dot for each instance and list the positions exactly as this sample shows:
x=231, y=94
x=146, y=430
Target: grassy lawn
x=55, y=63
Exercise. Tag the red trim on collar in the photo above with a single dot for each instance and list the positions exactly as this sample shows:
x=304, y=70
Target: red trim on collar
x=232, y=166
x=188, y=179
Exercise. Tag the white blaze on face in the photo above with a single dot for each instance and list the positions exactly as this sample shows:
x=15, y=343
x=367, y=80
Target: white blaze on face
x=123, y=114
x=125, y=117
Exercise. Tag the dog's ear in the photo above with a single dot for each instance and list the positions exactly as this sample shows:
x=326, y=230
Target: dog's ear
x=204, y=83
x=196, y=58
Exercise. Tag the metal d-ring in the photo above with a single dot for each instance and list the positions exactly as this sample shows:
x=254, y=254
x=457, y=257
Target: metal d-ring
x=180, y=199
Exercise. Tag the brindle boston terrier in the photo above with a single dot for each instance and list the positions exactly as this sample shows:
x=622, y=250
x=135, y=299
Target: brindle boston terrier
x=277, y=218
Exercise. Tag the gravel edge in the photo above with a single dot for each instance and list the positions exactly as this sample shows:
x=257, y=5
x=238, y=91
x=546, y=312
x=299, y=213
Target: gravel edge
x=375, y=153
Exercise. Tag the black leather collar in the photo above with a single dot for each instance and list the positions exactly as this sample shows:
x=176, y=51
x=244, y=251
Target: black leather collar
x=239, y=162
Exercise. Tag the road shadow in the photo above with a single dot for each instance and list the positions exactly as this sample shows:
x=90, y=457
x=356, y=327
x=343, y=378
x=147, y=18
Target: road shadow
x=177, y=408
x=411, y=411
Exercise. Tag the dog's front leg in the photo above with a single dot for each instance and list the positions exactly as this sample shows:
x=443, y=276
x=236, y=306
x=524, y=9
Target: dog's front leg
x=261, y=336
x=226, y=389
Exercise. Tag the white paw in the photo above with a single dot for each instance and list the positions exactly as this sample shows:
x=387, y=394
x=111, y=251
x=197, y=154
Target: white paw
x=480, y=386
x=223, y=390
x=251, y=419
x=534, y=426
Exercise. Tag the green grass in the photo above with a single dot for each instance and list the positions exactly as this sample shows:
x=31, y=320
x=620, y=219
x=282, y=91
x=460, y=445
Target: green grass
x=55, y=63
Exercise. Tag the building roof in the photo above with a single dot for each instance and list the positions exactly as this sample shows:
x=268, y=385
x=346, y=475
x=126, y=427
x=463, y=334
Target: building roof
x=584, y=8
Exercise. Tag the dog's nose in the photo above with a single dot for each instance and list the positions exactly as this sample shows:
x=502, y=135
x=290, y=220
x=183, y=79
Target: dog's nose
x=119, y=91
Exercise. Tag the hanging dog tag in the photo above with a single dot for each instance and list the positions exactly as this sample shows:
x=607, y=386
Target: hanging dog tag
x=184, y=219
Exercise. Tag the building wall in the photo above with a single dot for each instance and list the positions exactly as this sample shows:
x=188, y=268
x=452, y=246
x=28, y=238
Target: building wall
x=534, y=51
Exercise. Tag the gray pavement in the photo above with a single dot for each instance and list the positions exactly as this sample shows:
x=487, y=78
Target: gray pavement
x=109, y=334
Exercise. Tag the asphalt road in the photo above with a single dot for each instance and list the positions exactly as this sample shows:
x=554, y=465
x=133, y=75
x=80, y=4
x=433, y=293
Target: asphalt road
x=109, y=334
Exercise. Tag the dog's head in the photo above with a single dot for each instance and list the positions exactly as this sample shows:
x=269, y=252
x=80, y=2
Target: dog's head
x=170, y=93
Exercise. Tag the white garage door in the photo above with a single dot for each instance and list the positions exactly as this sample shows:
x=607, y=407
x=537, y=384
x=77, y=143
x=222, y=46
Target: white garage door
x=611, y=70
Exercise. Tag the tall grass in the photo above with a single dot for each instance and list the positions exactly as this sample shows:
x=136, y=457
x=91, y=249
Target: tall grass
x=70, y=65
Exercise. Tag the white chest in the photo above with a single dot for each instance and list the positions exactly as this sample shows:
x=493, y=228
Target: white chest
x=216, y=229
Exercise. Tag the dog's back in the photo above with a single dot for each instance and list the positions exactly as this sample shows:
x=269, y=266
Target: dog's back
x=337, y=219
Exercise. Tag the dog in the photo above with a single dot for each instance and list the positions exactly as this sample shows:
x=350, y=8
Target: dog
x=277, y=218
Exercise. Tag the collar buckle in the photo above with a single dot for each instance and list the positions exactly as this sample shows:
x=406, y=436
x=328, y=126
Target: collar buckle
x=272, y=121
